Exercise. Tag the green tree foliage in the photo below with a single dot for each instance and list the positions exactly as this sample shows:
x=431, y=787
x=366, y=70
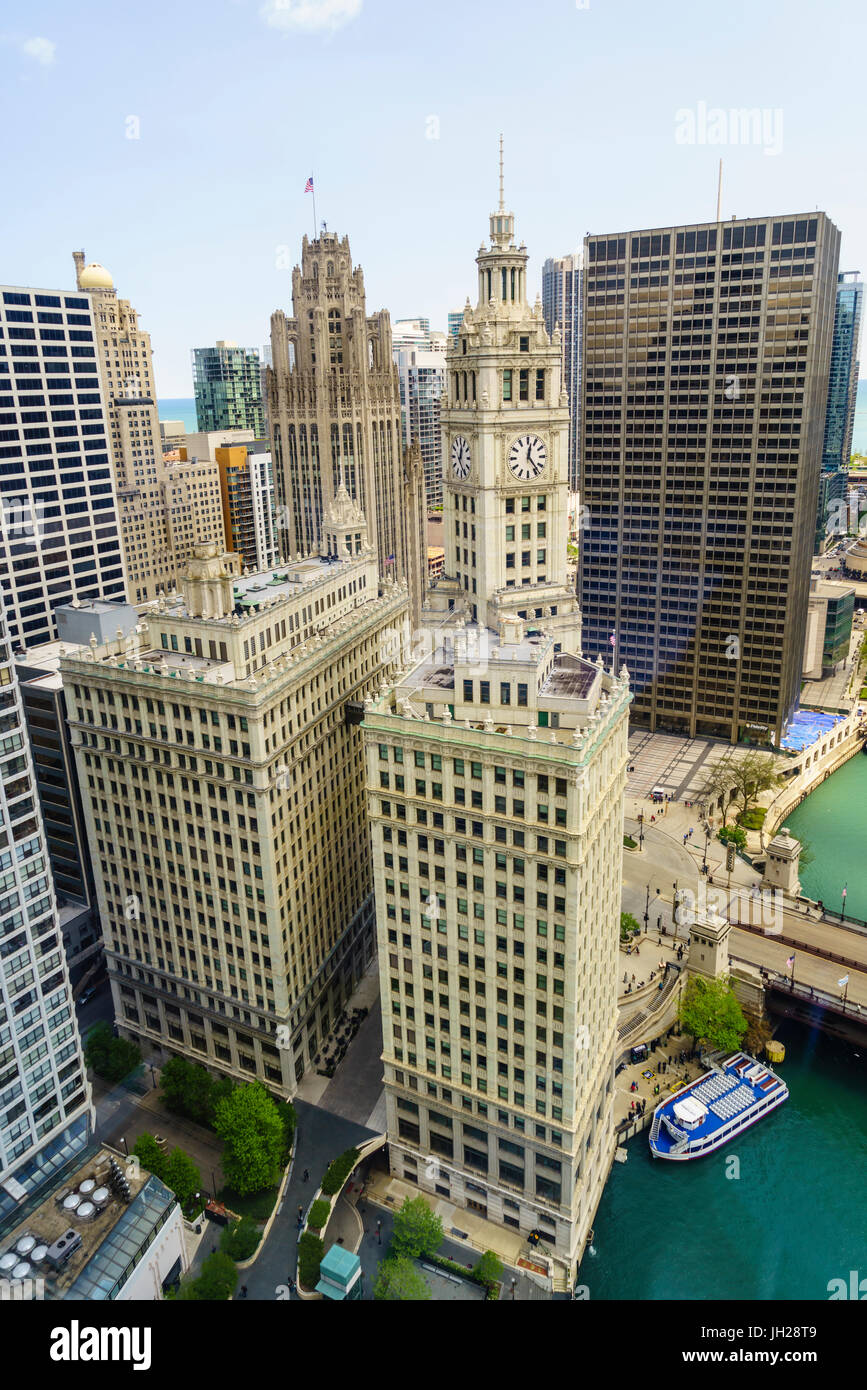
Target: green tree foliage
x=310, y=1252
x=319, y=1214
x=488, y=1270
x=629, y=926
x=182, y=1176
x=150, y=1155
x=400, y=1282
x=338, y=1171
x=741, y=778
x=240, y=1239
x=110, y=1057
x=188, y=1089
x=734, y=835
x=216, y=1283
x=417, y=1230
x=251, y=1127
x=289, y=1118
x=710, y=1012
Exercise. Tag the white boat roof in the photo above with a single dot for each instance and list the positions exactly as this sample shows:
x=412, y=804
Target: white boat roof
x=690, y=1110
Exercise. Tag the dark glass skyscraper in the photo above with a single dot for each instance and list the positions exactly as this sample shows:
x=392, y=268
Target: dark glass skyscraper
x=705, y=357
x=227, y=380
x=840, y=413
x=562, y=308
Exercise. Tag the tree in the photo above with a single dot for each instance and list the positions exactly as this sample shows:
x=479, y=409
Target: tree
x=733, y=834
x=751, y=774
x=150, y=1155
x=182, y=1176
x=216, y=1283
x=488, y=1269
x=110, y=1057
x=400, y=1281
x=417, y=1230
x=629, y=926
x=251, y=1127
x=710, y=1012
x=718, y=784
x=188, y=1089
x=240, y=1239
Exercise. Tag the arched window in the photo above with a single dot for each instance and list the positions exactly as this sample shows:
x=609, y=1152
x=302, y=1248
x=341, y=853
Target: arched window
x=329, y=269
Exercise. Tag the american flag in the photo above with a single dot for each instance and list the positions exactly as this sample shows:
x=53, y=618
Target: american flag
x=308, y=187
x=790, y=962
x=612, y=639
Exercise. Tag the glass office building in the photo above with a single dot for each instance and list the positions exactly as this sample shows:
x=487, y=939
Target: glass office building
x=59, y=532
x=227, y=381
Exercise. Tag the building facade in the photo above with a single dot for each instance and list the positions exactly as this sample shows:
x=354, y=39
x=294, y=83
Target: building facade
x=247, y=490
x=59, y=526
x=227, y=383
x=45, y=1108
x=706, y=352
x=224, y=798
x=334, y=402
x=562, y=307
x=165, y=507
x=422, y=378
x=840, y=411
x=495, y=769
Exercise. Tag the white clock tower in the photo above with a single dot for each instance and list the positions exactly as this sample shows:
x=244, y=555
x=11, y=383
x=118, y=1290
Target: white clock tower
x=505, y=423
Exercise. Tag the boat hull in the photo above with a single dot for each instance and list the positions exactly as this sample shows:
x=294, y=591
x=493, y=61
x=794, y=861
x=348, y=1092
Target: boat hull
x=724, y=1139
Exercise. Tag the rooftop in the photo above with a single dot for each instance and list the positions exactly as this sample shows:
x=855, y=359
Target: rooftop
x=111, y=1229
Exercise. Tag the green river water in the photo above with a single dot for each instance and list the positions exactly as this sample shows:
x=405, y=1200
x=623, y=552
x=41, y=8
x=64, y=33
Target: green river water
x=796, y=1216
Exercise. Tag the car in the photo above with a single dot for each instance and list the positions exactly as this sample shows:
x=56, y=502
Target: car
x=86, y=996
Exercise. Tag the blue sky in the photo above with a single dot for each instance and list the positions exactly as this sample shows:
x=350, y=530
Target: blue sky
x=237, y=101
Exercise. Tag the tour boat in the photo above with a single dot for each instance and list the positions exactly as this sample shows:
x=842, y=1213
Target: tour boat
x=701, y=1117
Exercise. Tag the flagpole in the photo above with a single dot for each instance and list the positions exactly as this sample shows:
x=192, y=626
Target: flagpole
x=792, y=984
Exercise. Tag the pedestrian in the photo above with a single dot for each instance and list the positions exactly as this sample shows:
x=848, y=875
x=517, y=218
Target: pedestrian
x=243, y=1290
x=306, y=1175
x=637, y=951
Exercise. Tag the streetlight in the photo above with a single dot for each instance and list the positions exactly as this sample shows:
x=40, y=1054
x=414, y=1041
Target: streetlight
x=123, y=1141
x=647, y=908
x=640, y=831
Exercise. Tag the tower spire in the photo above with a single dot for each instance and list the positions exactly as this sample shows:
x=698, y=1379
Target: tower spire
x=502, y=198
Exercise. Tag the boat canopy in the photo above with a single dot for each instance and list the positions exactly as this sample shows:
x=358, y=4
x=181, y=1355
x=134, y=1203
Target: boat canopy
x=689, y=1112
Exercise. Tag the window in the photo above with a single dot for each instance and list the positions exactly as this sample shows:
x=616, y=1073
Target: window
x=524, y=384
x=540, y=383
x=507, y=384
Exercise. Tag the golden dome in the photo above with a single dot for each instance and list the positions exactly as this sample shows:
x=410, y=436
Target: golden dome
x=95, y=277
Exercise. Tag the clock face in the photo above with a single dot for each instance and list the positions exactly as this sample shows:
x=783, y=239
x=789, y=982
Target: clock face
x=527, y=457
x=460, y=457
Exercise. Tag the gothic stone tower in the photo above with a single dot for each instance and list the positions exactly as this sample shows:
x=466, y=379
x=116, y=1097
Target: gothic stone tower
x=505, y=423
x=334, y=403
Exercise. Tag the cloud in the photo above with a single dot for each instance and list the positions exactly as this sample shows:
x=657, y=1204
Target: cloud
x=310, y=15
x=43, y=50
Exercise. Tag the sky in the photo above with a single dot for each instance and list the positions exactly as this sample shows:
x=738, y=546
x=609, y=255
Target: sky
x=173, y=141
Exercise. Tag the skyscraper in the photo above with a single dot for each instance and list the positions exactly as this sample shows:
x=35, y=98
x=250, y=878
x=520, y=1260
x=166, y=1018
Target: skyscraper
x=422, y=378
x=227, y=381
x=247, y=488
x=45, y=1105
x=334, y=401
x=222, y=775
x=165, y=508
x=495, y=770
x=455, y=320
x=840, y=411
x=59, y=531
x=706, y=352
x=562, y=307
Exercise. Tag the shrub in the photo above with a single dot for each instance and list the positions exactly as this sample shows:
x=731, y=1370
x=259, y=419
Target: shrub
x=733, y=834
x=629, y=842
x=310, y=1252
x=417, y=1229
x=488, y=1270
x=338, y=1171
x=110, y=1057
x=319, y=1214
x=215, y=1283
x=240, y=1239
